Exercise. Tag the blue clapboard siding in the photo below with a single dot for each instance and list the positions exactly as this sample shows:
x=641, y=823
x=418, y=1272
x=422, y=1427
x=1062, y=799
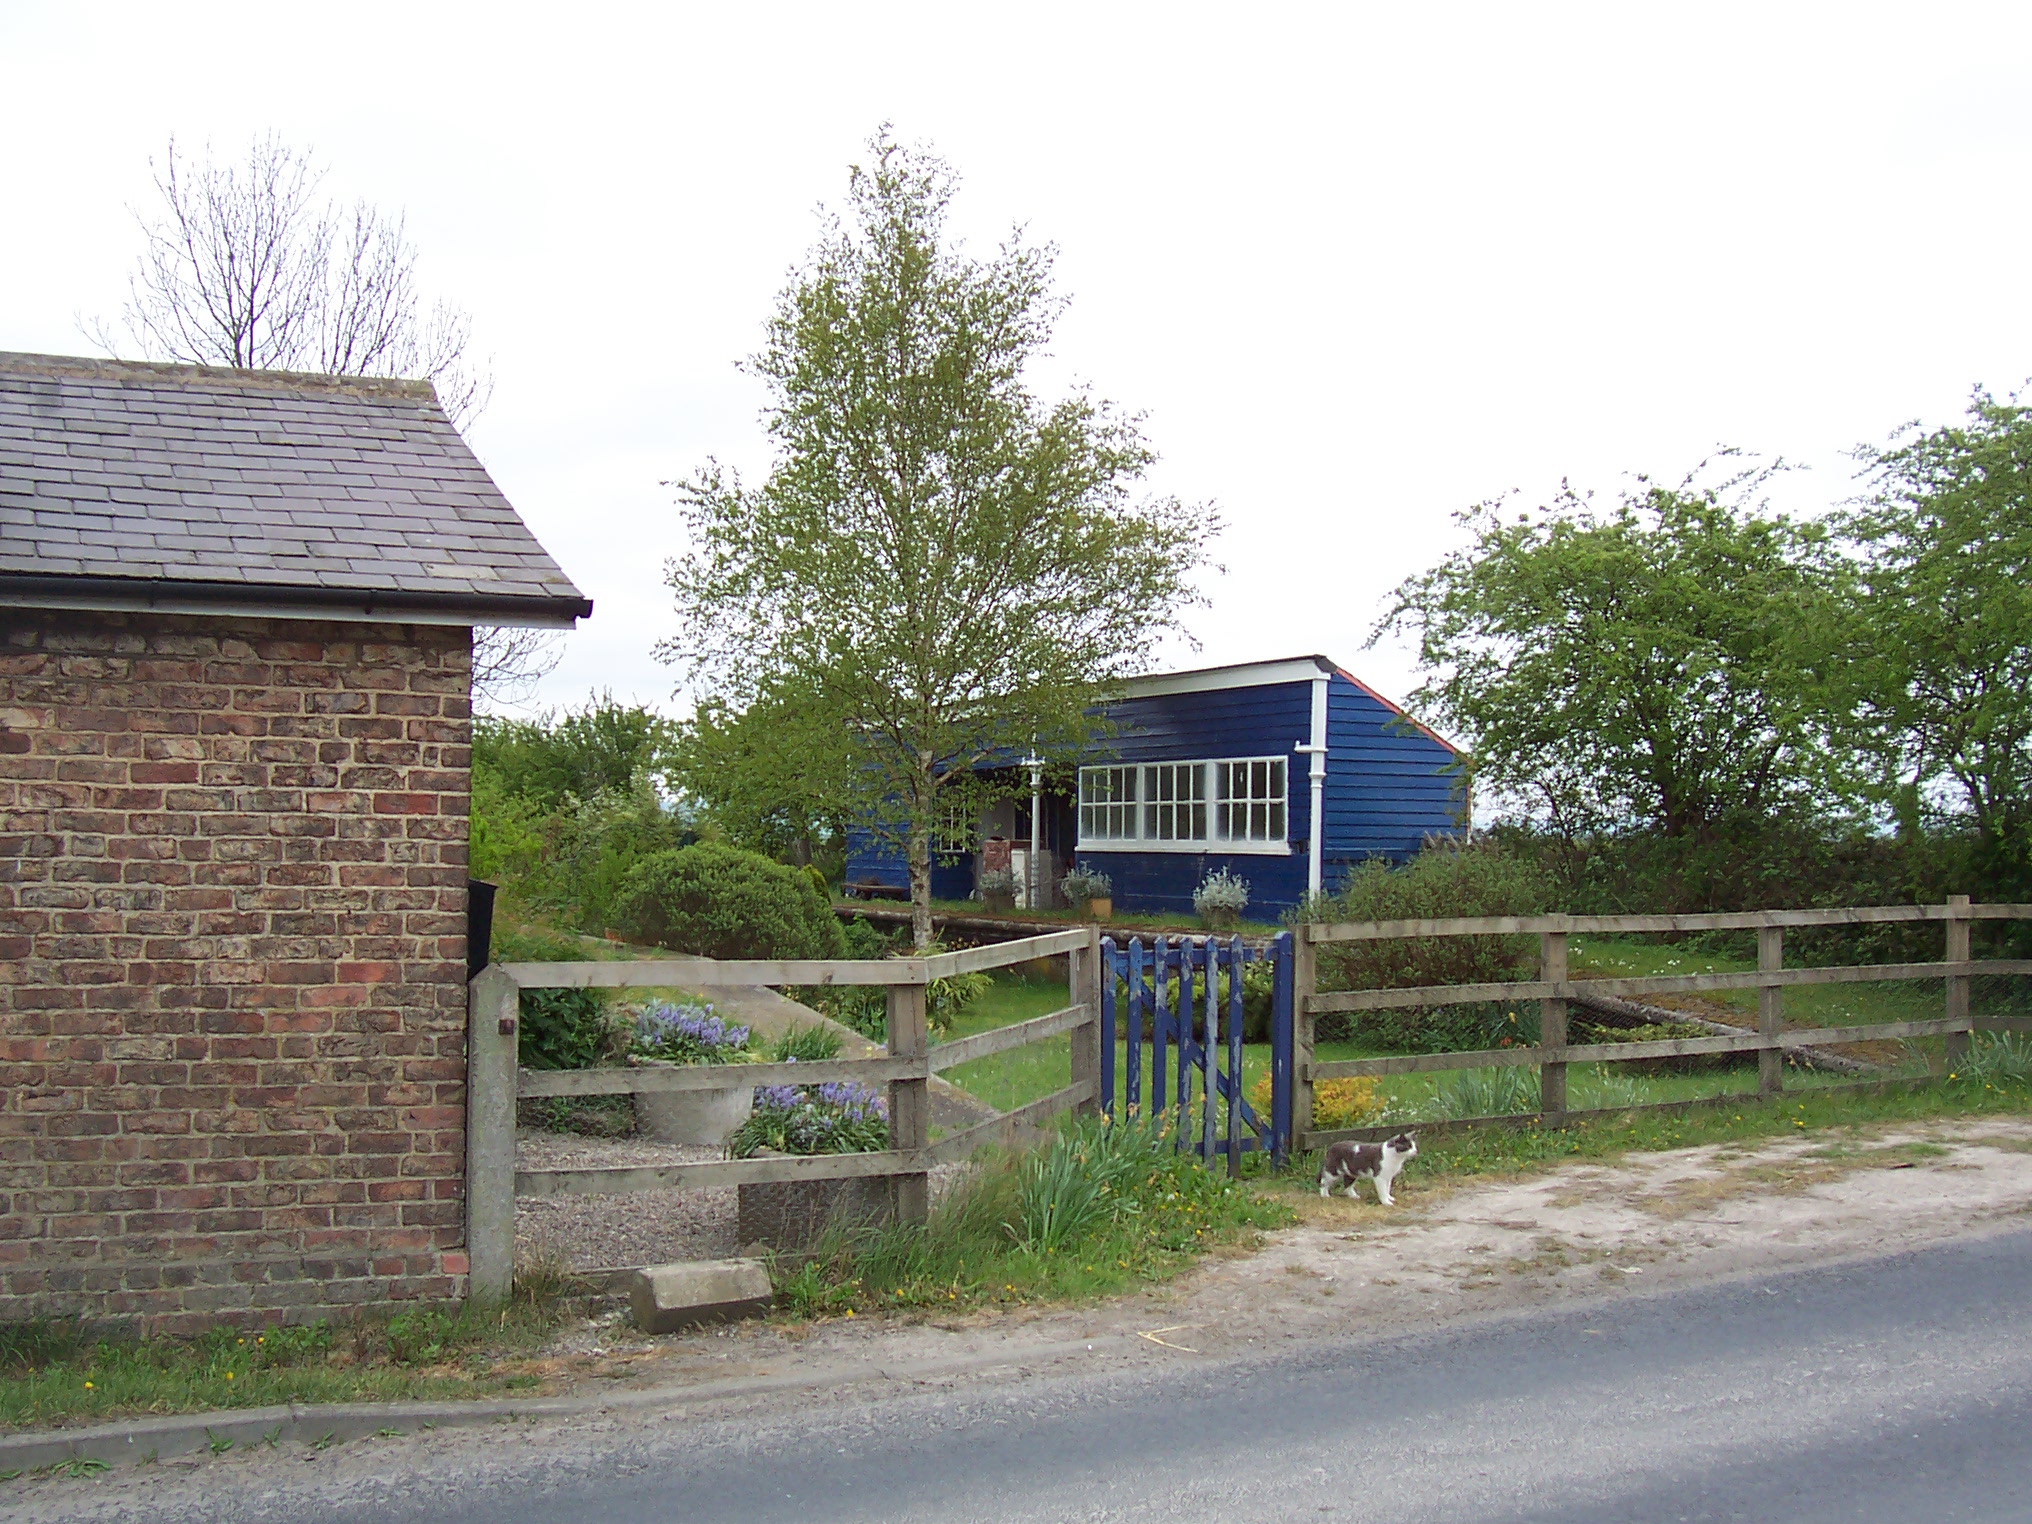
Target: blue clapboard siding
x=1263, y=721
x=1389, y=784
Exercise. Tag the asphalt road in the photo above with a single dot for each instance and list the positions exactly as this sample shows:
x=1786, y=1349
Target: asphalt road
x=1898, y=1389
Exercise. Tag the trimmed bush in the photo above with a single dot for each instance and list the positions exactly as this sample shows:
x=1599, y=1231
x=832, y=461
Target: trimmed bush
x=717, y=901
x=559, y=1029
x=1445, y=880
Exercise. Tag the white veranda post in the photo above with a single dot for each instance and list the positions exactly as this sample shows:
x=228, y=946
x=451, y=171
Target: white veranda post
x=1033, y=889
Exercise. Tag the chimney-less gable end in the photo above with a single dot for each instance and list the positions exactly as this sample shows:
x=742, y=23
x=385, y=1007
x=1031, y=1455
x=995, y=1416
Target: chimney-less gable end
x=179, y=489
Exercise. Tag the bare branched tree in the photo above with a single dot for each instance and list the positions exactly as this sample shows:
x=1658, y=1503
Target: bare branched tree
x=509, y=663
x=245, y=265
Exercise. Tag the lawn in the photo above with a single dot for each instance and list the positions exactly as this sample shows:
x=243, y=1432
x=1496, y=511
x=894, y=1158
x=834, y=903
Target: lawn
x=1009, y=1079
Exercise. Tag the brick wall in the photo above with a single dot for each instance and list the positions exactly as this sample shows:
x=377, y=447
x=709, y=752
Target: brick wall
x=232, y=978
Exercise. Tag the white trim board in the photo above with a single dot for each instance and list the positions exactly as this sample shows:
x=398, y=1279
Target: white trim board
x=1253, y=674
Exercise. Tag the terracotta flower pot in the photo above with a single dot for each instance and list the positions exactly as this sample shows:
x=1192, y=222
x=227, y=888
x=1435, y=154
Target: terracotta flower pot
x=1100, y=907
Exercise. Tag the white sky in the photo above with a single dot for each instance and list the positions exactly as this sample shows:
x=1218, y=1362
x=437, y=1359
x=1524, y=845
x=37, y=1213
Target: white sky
x=1361, y=266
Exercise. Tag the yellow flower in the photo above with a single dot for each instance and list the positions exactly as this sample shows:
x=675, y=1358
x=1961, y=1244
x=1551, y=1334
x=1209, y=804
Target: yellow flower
x=88, y=1386
x=229, y=1375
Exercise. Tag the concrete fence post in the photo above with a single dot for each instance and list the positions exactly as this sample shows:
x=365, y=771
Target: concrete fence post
x=493, y=1005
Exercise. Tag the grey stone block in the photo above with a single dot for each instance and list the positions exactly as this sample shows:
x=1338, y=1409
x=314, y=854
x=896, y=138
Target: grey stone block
x=665, y=1298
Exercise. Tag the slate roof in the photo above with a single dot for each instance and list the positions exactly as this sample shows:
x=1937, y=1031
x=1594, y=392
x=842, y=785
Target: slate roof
x=126, y=484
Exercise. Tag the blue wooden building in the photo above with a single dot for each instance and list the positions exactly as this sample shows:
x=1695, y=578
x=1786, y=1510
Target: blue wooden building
x=1285, y=773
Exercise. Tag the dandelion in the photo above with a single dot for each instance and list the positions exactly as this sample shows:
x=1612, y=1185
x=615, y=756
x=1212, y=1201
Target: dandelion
x=229, y=1375
x=88, y=1386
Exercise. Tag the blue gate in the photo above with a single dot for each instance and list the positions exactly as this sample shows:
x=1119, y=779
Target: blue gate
x=1185, y=996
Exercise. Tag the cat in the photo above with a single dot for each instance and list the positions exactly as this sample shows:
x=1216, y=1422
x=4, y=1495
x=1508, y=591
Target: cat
x=1348, y=1162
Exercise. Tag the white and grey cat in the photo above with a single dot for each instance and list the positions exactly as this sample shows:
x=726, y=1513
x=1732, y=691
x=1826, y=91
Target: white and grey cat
x=1348, y=1162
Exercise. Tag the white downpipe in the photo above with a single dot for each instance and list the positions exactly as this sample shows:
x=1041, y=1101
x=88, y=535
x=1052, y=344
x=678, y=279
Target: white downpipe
x=1316, y=749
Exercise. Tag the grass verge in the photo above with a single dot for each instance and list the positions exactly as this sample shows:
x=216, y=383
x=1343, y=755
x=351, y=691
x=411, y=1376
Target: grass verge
x=1528, y=1148
x=1101, y=1210
x=54, y=1372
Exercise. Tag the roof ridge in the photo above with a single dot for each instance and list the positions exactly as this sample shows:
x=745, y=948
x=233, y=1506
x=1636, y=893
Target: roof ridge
x=215, y=377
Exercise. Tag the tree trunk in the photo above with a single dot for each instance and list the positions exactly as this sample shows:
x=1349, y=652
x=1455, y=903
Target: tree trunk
x=920, y=884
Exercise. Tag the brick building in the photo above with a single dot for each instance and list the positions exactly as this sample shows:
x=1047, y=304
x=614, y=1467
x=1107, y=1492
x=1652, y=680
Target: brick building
x=236, y=614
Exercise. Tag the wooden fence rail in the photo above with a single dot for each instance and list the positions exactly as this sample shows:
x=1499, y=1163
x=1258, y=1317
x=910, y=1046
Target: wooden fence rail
x=494, y=1082
x=1554, y=989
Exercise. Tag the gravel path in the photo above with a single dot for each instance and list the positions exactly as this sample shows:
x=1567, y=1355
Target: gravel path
x=641, y=1227
x=613, y=1232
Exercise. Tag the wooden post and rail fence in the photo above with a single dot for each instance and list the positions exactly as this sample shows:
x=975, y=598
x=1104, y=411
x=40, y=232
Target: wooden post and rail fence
x=495, y=1082
x=1554, y=990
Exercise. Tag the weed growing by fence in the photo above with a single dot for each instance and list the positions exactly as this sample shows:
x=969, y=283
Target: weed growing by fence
x=806, y=1045
x=1487, y=1093
x=1022, y=1228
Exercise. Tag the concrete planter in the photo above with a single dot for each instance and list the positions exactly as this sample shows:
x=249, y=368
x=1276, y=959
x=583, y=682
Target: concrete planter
x=791, y=1216
x=700, y=1118
x=1100, y=907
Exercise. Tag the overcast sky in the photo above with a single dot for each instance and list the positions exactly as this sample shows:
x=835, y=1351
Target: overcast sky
x=1360, y=267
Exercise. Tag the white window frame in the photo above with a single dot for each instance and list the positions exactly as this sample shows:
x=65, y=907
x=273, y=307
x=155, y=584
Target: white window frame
x=1142, y=814
x=1271, y=808
x=1114, y=801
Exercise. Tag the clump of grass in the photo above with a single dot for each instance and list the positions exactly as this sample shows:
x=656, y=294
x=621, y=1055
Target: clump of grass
x=1487, y=1092
x=56, y=1370
x=1104, y=1206
x=1994, y=1056
x=806, y=1045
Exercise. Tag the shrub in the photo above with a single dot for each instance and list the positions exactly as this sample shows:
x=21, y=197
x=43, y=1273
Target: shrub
x=558, y=1029
x=995, y=882
x=842, y=1118
x=1335, y=1103
x=689, y=1034
x=717, y=901
x=1083, y=884
x=1221, y=894
x=1447, y=879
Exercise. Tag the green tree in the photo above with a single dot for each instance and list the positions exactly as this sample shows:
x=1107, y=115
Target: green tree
x=1944, y=650
x=1659, y=664
x=939, y=567
x=772, y=777
x=580, y=753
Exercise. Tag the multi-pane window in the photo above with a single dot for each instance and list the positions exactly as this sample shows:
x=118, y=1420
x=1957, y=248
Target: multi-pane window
x=1108, y=804
x=1190, y=804
x=1249, y=800
x=1174, y=802
x=953, y=831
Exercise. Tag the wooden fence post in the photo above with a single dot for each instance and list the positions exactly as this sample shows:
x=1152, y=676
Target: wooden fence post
x=1957, y=984
x=1770, y=1009
x=1304, y=982
x=909, y=1100
x=1083, y=987
x=1552, y=1024
x=493, y=1006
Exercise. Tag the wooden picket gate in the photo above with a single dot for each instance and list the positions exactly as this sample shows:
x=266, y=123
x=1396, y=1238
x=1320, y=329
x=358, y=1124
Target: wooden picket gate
x=1138, y=981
